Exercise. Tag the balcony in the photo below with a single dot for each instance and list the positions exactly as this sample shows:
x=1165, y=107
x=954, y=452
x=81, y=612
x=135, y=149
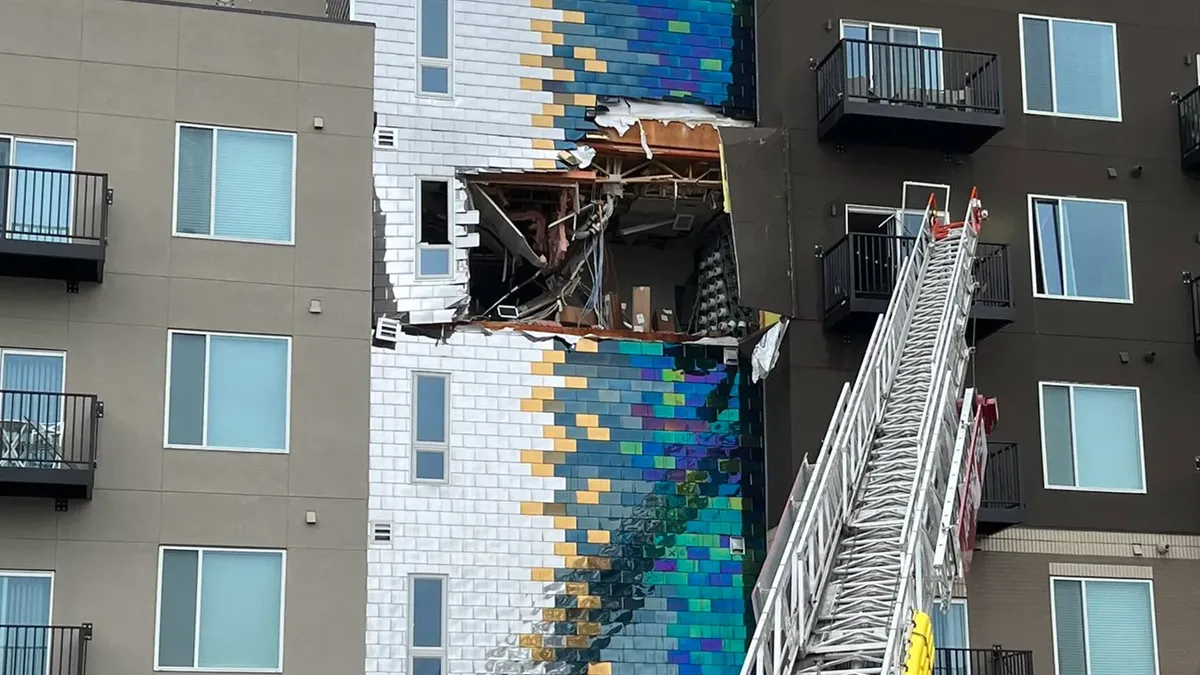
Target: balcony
x=44, y=650
x=53, y=224
x=48, y=445
x=1002, y=503
x=994, y=661
x=1189, y=131
x=891, y=94
x=1194, y=291
x=859, y=274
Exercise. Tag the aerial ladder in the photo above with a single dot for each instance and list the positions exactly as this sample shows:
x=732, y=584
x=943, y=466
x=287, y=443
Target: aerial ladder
x=883, y=523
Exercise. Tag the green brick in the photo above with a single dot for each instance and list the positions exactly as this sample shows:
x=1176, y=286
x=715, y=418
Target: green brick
x=664, y=462
x=679, y=26
x=631, y=448
x=710, y=64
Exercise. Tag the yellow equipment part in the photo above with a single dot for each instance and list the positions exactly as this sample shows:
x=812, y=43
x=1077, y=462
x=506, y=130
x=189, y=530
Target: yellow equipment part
x=919, y=660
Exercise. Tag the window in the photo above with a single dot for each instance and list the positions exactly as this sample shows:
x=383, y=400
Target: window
x=434, y=44
x=228, y=392
x=431, y=433
x=951, y=638
x=1103, y=626
x=1069, y=68
x=38, y=188
x=31, y=409
x=1081, y=249
x=427, y=629
x=220, y=609
x=900, y=63
x=1092, y=437
x=235, y=184
x=434, y=252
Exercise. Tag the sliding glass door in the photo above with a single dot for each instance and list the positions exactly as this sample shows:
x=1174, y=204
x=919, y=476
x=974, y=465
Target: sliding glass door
x=24, y=623
x=31, y=409
x=38, y=188
x=901, y=63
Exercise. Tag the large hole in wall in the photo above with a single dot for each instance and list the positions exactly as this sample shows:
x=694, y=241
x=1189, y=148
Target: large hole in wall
x=647, y=256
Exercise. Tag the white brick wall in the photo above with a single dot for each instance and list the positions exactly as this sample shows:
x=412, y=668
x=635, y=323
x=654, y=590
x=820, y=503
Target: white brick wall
x=472, y=529
x=486, y=126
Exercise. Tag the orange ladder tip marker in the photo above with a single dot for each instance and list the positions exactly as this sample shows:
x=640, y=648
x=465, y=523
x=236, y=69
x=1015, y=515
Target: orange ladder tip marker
x=978, y=214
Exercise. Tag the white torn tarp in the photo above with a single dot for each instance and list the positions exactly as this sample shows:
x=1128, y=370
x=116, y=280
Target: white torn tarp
x=624, y=113
x=583, y=155
x=766, y=352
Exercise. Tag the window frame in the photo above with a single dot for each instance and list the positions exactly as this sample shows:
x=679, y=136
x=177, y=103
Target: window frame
x=36, y=574
x=199, y=589
x=426, y=446
x=415, y=652
x=10, y=185
x=447, y=63
x=868, y=25
x=287, y=431
x=1054, y=73
x=1141, y=449
x=1083, y=598
x=450, y=223
x=21, y=351
x=1036, y=245
x=212, y=213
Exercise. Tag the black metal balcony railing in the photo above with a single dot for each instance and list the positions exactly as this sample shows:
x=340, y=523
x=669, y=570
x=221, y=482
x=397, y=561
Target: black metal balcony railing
x=909, y=95
x=338, y=9
x=1189, y=130
x=44, y=650
x=1002, y=478
x=1194, y=290
x=47, y=430
x=994, y=661
x=865, y=265
x=53, y=206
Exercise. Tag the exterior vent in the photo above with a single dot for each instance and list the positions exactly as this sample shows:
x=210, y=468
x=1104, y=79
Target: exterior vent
x=737, y=546
x=387, y=330
x=731, y=356
x=385, y=137
x=381, y=533
x=683, y=222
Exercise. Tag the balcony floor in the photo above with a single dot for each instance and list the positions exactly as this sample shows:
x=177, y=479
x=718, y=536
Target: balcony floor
x=46, y=483
x=81, y=262
x=859, y=314
x=859, y=120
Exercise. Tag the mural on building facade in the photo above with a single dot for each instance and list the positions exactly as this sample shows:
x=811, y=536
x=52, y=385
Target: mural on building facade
x=660, y=447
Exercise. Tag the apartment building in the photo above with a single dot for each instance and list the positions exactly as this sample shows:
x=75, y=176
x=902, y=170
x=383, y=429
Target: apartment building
x=1078, y=123
x=566, y=450
x=184, y=337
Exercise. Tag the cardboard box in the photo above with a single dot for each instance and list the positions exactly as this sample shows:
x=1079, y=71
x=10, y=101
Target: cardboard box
x=641, y=309
x=664, y=321
x=572, y=315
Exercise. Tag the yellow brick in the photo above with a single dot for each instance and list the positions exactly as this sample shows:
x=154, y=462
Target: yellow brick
x=531, y=405
x=541, y=575
x=584, y=497
x=554, y=110
x=576, y=382
x=541, y=26
x=542, y=4
x=587, y=346
x=573, y=17
x=595, y=66
x=545, y=164
x=599, y=537
x=598, y=434
x=551, y=355
x=564, y=522
x=587, y=562
x=583, y=420
x=599, y=669
x=585, y=99
x=543, y=144
x=531, y=456
x=531, y=641
x=586, y=628
x=599, y=485
x=543, y=393
x=554, y=432
x=585, y=52
x=564, y=445
x=531, y=60
x=531, y=509
x=564, y=548
x=531, y=84
x=588, y=602
x=543, y=470
x=579, y=642
x=541, y=368
x=554, y=614
x=577, y=588
x=551, y=39
x=563, y=75
x=543, y=121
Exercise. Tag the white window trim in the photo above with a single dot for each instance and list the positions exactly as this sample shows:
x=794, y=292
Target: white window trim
x=438, y=278
x=1035, y=244
x=1054, y=75
x=287, y=430
x=1137, y=394
x=427, y=652
x=447, y=63
x=884, y=24
x=36, y=352
x=37, y=574
x=884, y=211
x=426, y=446
x=212, y=209
x=1083, y=598
x=199, y=581
x=11, y=184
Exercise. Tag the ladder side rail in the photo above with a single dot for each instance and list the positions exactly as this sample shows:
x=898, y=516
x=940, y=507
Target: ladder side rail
x=845, y=463
x=793, y=510
x=948, y=368
x=945, y=558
